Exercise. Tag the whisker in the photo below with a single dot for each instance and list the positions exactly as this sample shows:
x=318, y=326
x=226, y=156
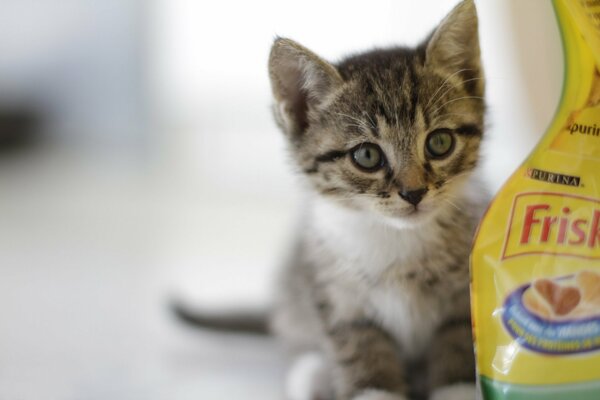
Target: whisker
x=443, y=115
x=358, y=120
x=453, y=100
x=444, y=83
x=452, y=204
x=396, y=108
x=362, y=127
x=373, y=125
x=458, y=176
x=441, y=96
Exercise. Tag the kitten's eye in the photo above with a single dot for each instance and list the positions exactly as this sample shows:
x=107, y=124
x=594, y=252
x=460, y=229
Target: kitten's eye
x=368, y=156
x=439, y=143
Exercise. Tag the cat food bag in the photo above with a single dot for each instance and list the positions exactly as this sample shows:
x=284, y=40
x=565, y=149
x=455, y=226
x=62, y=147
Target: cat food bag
x=535, y=265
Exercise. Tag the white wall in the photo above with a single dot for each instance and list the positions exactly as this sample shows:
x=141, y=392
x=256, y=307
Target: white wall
x=522, y=54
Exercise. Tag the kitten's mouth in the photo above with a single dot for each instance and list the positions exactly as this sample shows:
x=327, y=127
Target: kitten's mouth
x=408, y=216
x=420, y=209
x=405, y=218
x=412, y=215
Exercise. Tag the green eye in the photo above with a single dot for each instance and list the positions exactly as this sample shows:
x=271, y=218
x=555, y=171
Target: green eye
x=439, y=143
x=368, y=156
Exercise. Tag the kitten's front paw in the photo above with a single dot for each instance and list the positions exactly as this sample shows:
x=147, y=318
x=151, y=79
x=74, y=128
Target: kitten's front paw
x=459, y=391
x=308, y=379
x=373, y=394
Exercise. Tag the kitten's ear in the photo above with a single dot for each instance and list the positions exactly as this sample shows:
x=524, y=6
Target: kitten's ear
x=454, y=45
x=301, y=81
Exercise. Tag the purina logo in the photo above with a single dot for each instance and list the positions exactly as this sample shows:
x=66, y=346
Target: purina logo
x=553, y=223
x=553, y=177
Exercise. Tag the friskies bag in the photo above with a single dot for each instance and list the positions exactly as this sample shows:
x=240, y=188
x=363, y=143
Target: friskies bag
x=536, y=259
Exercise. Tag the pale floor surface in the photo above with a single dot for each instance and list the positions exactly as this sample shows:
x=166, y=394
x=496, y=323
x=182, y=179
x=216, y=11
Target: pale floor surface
x=89, y=254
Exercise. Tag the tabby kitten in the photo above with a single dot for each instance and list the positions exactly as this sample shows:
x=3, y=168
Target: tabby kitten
x=374, y=304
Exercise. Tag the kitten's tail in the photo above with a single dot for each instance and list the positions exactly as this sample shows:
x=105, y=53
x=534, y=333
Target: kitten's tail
x=251, y=322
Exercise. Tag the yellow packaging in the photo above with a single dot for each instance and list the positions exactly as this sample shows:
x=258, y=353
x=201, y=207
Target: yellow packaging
x=536, y=259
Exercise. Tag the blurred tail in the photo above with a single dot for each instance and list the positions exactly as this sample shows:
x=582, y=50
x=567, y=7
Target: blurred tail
x=251, y=322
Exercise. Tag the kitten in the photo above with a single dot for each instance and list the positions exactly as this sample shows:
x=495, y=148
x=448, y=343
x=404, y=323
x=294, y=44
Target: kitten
x=374, y=304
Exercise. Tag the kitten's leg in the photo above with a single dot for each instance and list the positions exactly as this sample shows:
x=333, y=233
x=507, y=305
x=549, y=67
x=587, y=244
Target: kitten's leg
x=458, y=391
x=451, y=363
x=374, y=394
x=308, y=378
x=367, y=366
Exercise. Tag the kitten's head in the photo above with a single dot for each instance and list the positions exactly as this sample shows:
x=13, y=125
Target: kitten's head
x=394, y=132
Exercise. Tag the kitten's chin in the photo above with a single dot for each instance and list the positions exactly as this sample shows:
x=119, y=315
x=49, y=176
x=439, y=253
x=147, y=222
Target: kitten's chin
x=408, y=219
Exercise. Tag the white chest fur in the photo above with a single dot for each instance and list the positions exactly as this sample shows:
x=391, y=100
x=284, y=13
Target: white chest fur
x=409, y=315
x=367, y=247
x=364, y=243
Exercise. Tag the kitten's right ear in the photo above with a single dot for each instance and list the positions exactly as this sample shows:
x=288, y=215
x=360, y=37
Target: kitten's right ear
x=301, y=81
x=454, y=45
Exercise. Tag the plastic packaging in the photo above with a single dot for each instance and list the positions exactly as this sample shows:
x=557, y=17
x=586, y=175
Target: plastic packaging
x=535, y=263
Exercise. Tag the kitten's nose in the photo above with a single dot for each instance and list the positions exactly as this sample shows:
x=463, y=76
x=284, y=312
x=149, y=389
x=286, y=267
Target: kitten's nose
x=414, y=197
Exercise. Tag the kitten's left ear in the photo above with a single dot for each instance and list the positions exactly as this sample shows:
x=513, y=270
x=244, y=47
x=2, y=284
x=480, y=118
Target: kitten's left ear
x=454, y=45
x=301, y=83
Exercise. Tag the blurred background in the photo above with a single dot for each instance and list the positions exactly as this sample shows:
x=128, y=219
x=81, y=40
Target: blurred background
x=139, y=161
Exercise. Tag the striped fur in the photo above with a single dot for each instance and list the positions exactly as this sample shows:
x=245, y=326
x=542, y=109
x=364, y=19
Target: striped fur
x=377, y=285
